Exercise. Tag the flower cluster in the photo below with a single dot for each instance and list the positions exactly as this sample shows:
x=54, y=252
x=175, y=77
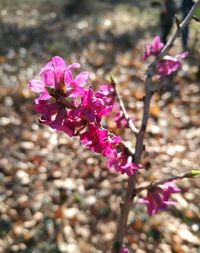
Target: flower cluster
x=168, y=64
x=65, y=104
x=158, y=197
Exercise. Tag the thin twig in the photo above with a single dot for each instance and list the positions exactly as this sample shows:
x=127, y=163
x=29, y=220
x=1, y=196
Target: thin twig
x=131, y=187
x=188, y=174
x=123, y=109
x=156, y=183
x=182, y=25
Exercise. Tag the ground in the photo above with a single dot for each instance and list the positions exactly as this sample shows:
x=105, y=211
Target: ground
x=56, y=196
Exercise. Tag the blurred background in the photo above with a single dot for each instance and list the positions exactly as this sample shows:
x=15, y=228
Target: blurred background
x=56, y=196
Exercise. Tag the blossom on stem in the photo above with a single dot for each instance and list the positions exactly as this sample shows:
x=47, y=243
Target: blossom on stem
x=154, y=48
x=107, y=93
x=124, y=250
x=158, y=197
x=99, y=141
x=91, y=108
x=94, y=138
x=66, y=105
x=121, y=121
x=120, y=161
x=52, y=114
x=168, y=64
x=55, y=88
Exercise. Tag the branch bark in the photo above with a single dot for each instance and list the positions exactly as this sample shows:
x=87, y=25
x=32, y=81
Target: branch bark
x=130, y=191
x=190, y=174
x=182, y=25
x=157, y=183
x=131, y=187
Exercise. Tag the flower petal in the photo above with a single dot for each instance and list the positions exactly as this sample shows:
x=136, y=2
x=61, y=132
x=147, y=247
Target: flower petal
x=73, y=66
x=43, y=96
x=36, y=86
x=82, y=78
x=68, y=78
x=57, y=61
x=48, y=76
x=58, y=120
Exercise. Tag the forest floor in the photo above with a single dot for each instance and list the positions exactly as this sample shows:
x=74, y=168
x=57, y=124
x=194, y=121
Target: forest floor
x=55, y=195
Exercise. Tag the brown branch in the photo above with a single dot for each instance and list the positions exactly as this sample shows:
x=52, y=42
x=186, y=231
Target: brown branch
x=122, y=108
x=131, y=187
x=181, y=26
x=189, y=174
x=156, y=183
x=130, y=191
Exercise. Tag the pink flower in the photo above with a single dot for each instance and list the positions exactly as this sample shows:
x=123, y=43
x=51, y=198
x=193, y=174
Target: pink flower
x=54, y=72
x=56, y=84
x=39, y=87
x=94, y=138
x=156, y=45
x=52, y=114
x=158, y=197
x=65, y=105
x=57, y=81
x=91, y=108
x=75, y=85
x=120, y=120
x=107, y=94
x=124, y=250
x=154, y=48
x=169, y=64
x=72, y=124
x=98, y=140
x=120, y=161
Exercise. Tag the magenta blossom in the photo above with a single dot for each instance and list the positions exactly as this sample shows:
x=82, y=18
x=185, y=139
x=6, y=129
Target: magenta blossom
x=107, y=93
x=39, y=87
x=52, y=114
x=94, y=138
x=158, y=197
x=57, y=81
x=56, y=85
x=99, y=141
x=124, y=250
x=66, y=105
x=72, y=124
x=120, y=120
x=92, y=108
x=154, y=48
x=169, y=64
x=55, y=73
x=75, y=85
x=120, y=161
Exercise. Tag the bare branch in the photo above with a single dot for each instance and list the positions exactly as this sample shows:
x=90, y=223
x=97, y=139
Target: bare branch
x=157, y=183
x=182, y=25
x=189, y=174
